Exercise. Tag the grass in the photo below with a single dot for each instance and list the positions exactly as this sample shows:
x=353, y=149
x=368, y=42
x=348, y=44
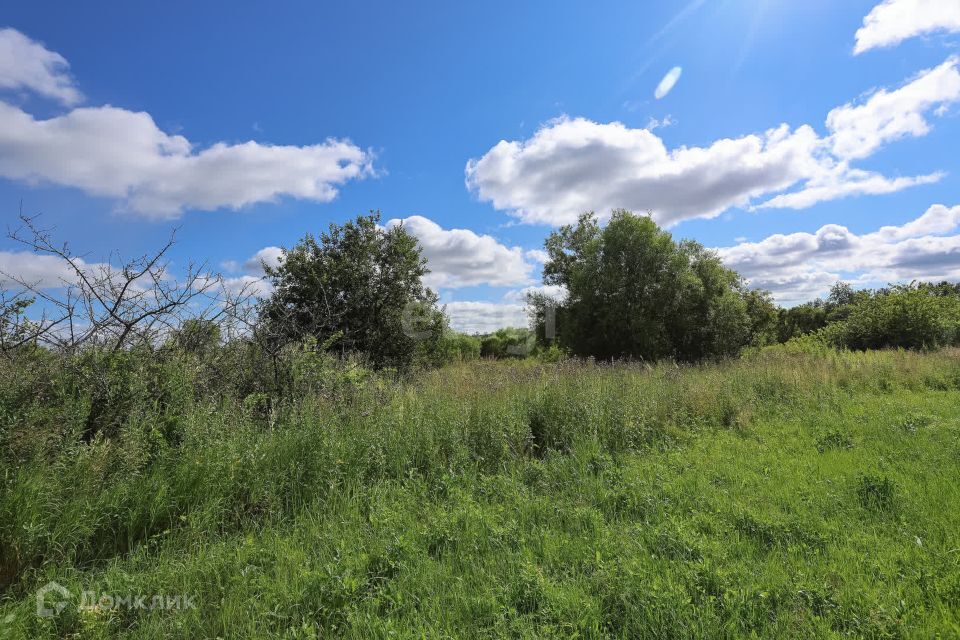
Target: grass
x=782, y=495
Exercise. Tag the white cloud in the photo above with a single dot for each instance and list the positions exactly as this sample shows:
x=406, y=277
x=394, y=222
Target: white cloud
x=511, y=311
x=859, y=130
x=665, y=121
x=269, y=255
x=800, y=266
x=460, y=257
x=253, y=280
x=537, y=255
x=667, y=83
x=253, y=285
x=456, y=258
x=115, y=153
x=28, y=65
x=574, y=165
x=41, y=271
x=936, y=220
x=893, y=21
x=845, y=183
x=51, y=272
x=553, y=291
x=485, y=317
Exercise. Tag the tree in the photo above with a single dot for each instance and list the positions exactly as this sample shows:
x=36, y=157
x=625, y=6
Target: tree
x=763, y=317
x=116, y=305
x=841, y=294
x=632, y=292
x=801, y=320
x=107, y=316
x=358, y=287
x=914, y=316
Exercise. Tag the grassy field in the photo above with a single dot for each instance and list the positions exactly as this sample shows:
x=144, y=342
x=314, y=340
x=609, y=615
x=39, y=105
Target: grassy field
x=781, y=495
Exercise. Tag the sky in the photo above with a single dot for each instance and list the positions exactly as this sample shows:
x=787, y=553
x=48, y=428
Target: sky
x=806, y=142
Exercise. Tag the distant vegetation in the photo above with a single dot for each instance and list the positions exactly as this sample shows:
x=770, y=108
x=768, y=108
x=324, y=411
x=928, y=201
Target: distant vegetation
x=915, y=316
x=663, y=453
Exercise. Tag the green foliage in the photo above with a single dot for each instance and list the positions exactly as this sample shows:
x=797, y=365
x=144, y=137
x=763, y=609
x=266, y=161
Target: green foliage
x=15, y=328
x=801, y=320
x=907, y=317
x=810, y=317
x=635, y=293
x=450, y=348
x=361, y=282
x=197, y=336
x=876, y=492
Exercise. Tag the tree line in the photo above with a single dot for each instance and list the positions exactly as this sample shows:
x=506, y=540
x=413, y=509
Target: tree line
x=356, y=289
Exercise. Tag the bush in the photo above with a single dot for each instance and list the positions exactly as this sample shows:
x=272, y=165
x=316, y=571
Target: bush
x=910, y=317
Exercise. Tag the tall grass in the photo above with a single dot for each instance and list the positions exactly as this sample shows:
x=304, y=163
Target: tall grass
x=783, y=494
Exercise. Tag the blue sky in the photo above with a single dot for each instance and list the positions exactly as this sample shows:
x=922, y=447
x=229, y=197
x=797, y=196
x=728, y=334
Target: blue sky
x=805, y=141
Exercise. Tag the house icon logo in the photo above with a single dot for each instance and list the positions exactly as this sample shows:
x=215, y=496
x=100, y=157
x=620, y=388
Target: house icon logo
x=52, y=599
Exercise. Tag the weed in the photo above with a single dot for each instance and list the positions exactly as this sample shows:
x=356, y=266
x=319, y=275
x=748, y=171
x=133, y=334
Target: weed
x=876, y=493
x=834, y=439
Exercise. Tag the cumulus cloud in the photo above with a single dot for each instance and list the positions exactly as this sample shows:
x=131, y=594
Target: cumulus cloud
x=40, y=271
x=485, y=317
x=253, y=279
x=572, y=165
x=859, y=130
x=460, y=257
x=50, y=272
x=667, y=83
x=115, y=153
x=252, y=285
x=537, y=255
x=510, y=311
x=268, y=255
x=893, y=21
x=799, y=266
x=555, y=292
x=575, y=165
x=28, y=65
x=842, y=183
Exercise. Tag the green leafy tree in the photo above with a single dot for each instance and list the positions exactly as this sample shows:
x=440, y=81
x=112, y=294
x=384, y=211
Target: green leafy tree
x=360, y=283
x=801, y=320
x=916, y=316
x=633, y=292
x=763, y=317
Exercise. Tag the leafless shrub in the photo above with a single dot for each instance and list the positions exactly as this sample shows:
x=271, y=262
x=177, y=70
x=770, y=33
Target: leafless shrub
x=114, y=305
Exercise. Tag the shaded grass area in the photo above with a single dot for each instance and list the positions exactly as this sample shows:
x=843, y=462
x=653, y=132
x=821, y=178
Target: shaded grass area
x=777, y=496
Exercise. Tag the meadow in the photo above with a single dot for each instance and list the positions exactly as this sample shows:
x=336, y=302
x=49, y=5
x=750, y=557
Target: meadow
x=784, y=494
